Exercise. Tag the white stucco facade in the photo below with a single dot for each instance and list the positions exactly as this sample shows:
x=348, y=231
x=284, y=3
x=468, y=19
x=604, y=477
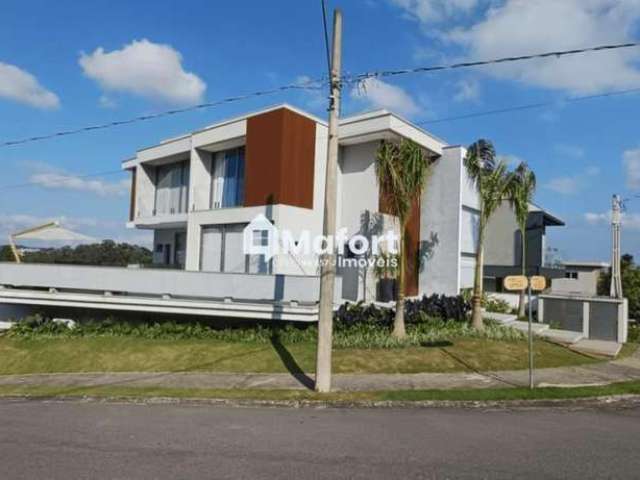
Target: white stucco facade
x=448, y=220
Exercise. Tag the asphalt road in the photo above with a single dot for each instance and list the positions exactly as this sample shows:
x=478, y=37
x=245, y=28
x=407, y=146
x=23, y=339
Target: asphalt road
x=74, y=440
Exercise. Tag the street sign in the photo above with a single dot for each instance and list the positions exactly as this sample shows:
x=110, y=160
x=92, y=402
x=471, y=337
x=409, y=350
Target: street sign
x=515, y=282
x=538, y=283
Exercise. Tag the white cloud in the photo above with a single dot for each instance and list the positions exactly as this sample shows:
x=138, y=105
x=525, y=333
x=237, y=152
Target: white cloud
x=467, y=91
x=631, y=163
x=144, y=68
x=511, y=160
x=531, y=26
x=107, y=102
x=62, y=181
x=629, y=220
x=20, y=86
x=380, y=94
x=567, y=150
x=592, y=171
x=98, y=229
x=428, y=11
x=316, y=97
x=564, y=185
x=570, y=185
x=10, y=223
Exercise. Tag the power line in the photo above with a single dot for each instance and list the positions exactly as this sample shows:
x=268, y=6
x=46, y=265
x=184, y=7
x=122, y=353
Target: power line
x=495, y=61
x=530, y=106
x=318, y=85
x=311, y=85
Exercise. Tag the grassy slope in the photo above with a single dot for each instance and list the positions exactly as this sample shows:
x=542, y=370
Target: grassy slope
x=120, y=354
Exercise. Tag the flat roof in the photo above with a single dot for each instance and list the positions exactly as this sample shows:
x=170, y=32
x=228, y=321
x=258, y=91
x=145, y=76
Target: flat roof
x=579, y=263
x=369, y=115
x=549, y=219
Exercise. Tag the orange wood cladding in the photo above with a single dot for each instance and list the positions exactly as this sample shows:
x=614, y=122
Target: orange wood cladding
x=412, y=245
x=279, y=159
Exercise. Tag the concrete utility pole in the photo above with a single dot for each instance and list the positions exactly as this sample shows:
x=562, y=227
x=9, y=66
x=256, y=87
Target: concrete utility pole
x=328, y=267
x=616, y=274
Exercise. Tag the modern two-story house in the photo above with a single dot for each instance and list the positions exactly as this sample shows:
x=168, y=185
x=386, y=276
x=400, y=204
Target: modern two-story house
x=199, y=191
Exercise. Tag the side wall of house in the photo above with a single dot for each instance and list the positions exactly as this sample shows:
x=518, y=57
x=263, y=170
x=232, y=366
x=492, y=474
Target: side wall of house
x=502, y=241
x=358, y=201
x=358, y=187
x=469, y=224
x=440, y=226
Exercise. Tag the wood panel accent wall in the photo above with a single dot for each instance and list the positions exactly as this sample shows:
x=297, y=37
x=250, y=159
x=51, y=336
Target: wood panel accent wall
x=132, y=201
x=412, y=246
x=280, y=159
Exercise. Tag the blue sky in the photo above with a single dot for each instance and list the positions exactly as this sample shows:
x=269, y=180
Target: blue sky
x=67, y=64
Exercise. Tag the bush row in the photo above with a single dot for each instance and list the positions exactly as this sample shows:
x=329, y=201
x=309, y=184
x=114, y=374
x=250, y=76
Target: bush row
x=430, y=319
x=360, y=335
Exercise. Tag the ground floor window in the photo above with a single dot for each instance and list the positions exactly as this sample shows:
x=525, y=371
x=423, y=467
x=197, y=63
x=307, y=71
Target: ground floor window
x=221, y=250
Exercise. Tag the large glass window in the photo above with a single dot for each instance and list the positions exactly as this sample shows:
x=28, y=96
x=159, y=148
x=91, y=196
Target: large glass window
x=228, y=178
x=221, y=250
x=172, y=188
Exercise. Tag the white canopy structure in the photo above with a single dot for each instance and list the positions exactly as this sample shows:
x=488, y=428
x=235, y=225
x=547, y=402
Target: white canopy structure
x=48, y=232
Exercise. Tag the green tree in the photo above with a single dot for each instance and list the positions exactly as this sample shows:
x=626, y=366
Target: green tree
x=493, y=183
x=401, y=170
x=5, y=254
x=521, y=193
x=630, y=284
x=107, y=253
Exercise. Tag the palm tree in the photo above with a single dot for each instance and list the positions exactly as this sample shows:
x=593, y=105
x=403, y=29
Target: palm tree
x=493, y=183
x=401, y=171
x=522, y=189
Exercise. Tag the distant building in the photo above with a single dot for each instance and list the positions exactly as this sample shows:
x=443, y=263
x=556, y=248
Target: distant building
x=580, y=278
x=503, y=246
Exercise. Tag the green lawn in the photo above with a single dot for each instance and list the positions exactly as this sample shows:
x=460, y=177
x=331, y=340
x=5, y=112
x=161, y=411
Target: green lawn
x=126, y=354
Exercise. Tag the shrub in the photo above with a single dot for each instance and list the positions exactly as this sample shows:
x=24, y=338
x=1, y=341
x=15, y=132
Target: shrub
x=438, y=306
x=496, y=305
x=416, y=311
x=489, y=303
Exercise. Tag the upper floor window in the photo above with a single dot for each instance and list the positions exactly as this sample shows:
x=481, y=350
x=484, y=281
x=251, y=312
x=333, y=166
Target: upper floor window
x=227, y=186
x=172, y=188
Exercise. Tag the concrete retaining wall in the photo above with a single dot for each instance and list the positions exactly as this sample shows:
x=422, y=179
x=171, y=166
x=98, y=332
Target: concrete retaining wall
x=174, y=283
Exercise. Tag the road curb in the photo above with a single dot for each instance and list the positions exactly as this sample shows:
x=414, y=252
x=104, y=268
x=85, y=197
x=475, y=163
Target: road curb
x=610, y=401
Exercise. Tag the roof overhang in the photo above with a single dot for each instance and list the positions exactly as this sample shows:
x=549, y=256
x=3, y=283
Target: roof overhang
x=384, y=125
x=551, y=221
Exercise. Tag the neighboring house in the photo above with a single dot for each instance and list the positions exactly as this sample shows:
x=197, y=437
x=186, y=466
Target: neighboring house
x=581, y=278
x=503, y=246
x=199, y=191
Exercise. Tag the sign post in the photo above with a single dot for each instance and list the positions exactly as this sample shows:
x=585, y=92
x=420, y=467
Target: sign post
x=520, y=283
x=537, y=284
x=530, y=335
